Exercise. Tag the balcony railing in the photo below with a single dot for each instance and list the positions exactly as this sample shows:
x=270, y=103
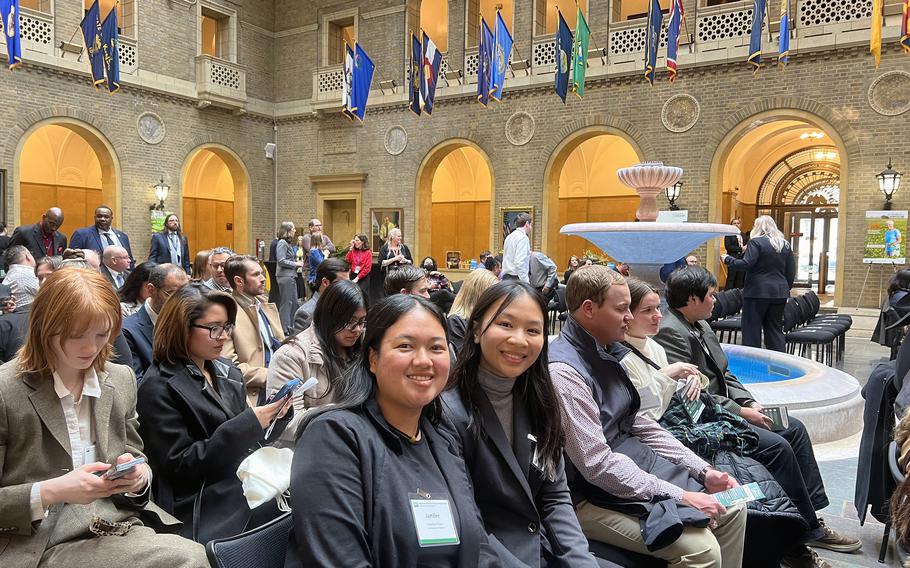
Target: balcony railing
x=220, y=82
x=543, y=54
x=36, y=30
x=328, y=82
x=129, y=55
x=726, y=22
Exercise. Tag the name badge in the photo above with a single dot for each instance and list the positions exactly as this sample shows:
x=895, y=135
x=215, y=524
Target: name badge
x=433, y=519
x=648, y=398
x=88, y=454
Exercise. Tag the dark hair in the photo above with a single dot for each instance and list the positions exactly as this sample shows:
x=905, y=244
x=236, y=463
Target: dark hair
x=490, y=263
x=160, y=272
x=688, y=281
x=171, y=341
x=403, y=278
x=129, y=292
x=365, y=241
x=900, y=281
x=55, y=262
x=358, y=384
x=164, y=230
x=329, y=269
x=638, y=289
x=15, y=254
x=534, y=387
x=522, y=219
x=431, y=259
x=334, y=309
x=236, y=266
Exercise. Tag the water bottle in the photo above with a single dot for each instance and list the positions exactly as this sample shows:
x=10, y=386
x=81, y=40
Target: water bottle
x=473, y=264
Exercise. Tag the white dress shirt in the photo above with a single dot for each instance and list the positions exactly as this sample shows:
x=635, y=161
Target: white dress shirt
x=517, y=254
x=113, y=235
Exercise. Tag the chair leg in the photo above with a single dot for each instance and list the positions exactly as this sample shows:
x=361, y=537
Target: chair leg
x=884, y=549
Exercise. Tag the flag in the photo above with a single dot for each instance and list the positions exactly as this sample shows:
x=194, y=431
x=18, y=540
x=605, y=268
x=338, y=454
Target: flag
x=758, y=16
x=348, y=83
x=905, y=27
x=361, y=82
x=502, y=49
x=110, y=47
x=580, y=53
x=91, y=34
x=674, y=31
x=484, y=63
x=414, y=86
x=429, y=73
x=9, y=26
x=875, y=42
x=563, y=49
x=652, y=39
x=784, y=53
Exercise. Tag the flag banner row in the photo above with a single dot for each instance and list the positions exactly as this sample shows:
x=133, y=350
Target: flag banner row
x=9, y=26
x=426, y=60
x=102, y=46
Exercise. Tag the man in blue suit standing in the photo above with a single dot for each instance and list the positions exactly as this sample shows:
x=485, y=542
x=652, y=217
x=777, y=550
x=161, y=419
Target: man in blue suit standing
x=170, y=245
x=138, y=329
x=102, y=235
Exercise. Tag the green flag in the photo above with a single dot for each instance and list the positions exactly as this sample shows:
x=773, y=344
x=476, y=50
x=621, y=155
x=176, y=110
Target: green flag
x=580, y=54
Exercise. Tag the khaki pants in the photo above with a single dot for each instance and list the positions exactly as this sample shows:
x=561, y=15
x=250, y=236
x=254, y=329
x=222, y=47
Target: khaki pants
x=695, y=547
x=139, y=548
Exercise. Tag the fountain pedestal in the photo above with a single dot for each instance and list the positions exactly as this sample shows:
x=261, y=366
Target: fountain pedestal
x=649, y=180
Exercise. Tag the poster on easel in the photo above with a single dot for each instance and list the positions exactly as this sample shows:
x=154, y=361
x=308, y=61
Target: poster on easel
x=886, y=232
x=157, y=219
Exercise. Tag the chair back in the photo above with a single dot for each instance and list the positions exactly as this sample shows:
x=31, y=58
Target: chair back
x=814, y=302
x=720, y=307
x=263, y=547
x=791, y=315
x=805, y=309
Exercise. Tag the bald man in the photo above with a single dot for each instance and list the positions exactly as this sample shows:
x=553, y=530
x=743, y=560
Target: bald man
x=43, y=238
x=115, y=265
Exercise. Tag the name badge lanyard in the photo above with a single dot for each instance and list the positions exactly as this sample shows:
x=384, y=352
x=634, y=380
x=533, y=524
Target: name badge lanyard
x=433, y=519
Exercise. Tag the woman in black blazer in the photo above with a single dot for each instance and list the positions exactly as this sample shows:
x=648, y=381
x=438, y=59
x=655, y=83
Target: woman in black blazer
x=770, y=269
x=394, y=253
x=194, y=418
x=367, y=467
x=508, y=419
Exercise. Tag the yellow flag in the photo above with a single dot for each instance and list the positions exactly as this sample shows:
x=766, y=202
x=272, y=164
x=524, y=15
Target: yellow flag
x=875, y=43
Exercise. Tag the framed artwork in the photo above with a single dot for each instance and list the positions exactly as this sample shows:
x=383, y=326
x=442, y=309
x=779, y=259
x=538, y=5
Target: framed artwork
x=381, y=222
x=453, y=259
x=507, y=216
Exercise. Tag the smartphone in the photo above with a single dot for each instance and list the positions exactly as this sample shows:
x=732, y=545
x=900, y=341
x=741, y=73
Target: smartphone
x=288, y=388
x=119, y=470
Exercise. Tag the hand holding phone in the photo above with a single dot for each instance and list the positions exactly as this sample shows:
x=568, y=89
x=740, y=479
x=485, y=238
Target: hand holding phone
x=119, y=470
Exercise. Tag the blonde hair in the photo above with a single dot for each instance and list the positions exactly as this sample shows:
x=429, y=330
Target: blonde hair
x=68, y=302
x=591, y=283
x=765, y=226
x=471, y=289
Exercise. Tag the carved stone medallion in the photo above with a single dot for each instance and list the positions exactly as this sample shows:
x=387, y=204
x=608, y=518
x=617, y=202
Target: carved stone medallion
x=520, y=128
x=889, y=94
x=396, y=140
x=680, y=113
x=150, y=127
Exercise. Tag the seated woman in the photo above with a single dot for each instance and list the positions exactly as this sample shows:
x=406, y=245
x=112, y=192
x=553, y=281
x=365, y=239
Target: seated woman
x=66, y=415
x=194, y=418
x=890, y=328
x=471, y=289
x=324, y=350
x=441, y=291
x=134, y=292
x=375, y=480
x=508, y=419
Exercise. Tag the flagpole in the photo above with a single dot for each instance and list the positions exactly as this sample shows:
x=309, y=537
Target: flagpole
x=768, y=19
x=603, y=53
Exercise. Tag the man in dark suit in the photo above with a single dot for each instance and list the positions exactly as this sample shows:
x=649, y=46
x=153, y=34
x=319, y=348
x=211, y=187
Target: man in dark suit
x=787, y=454
x=43, y=238
x=101, y=235
x=138, y=329
x=170, y=245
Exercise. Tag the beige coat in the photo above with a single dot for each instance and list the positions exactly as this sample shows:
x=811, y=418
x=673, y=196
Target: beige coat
x=35, y=446
x=244, y=346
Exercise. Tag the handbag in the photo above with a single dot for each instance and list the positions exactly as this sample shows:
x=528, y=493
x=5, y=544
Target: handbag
x=266, y=475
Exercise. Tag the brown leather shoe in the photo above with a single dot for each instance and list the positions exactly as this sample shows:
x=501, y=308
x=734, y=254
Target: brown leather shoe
x=836, y=541
x=805, y=558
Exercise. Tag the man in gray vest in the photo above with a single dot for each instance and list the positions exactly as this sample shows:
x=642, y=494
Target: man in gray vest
x=634, y=485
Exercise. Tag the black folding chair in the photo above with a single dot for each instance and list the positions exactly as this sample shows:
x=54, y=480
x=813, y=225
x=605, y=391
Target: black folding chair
x=263, y=547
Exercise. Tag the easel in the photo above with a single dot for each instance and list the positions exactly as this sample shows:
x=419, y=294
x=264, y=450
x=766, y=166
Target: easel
x=869, y=266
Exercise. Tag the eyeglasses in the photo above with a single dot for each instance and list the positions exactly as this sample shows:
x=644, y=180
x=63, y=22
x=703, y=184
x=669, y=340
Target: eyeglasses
x=169, y=293
x=215, y=331
x=352, y=325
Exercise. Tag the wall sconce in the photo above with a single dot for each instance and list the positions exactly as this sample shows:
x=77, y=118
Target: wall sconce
x=888, y=182
x=161, y=191
x=673, y=194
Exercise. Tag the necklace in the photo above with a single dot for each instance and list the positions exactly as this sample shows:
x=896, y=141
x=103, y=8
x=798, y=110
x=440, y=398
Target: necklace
x=411, y=439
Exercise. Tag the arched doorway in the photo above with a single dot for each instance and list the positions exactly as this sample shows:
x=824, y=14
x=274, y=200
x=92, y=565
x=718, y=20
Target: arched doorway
x=787, y=164
x=581, y=185
x=65, y=163
x=215, y=200
x=455, y=185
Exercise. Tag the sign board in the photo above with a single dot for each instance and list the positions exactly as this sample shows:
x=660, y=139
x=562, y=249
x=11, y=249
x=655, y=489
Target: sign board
x=678, y=216
x=885, y=234
x=157, y=219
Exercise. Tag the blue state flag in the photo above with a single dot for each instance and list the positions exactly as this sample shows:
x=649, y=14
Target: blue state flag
x=758, y=16
x=484, y=63
x=652, y=39
x=9, y=26
x=361, y=83
x=501, y=51
x=563, y=55
x=784, y=53
x=91, y=34
x=429, y=73
x=414, y=85
x=110, y=47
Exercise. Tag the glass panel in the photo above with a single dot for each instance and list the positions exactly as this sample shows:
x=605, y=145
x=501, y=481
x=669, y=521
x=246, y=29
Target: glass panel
x=434, y=20
x=210, y=31
x=805, y=267
x=569, y=12
x=832, y=254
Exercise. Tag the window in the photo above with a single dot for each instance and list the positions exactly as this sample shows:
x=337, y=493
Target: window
x=126, y=13
x=217, y=32
x=487, y=9
x=37, y=5
x=636, y=9
x=341, y=32
x=434, y=20
x=545, y=14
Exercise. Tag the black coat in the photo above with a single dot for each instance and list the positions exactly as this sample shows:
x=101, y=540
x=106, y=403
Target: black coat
x=769, y=273
x=385, y=253
x=195, y=441
x=350, y=481
x=13, y=327
x=30, y=237
x=530, y=516
x=138, y=331
x=89, y=238
x=159, y=252
x=874, y=483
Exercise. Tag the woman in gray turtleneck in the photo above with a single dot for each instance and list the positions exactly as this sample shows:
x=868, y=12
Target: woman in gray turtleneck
x=507, y=417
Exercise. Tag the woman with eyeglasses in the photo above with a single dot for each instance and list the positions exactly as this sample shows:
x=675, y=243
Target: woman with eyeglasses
x=194, y=418
x=324, y=350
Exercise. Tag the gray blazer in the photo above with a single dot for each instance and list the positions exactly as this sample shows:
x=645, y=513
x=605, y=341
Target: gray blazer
x=286, y=260
x=681, y=342
x=34, y=446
